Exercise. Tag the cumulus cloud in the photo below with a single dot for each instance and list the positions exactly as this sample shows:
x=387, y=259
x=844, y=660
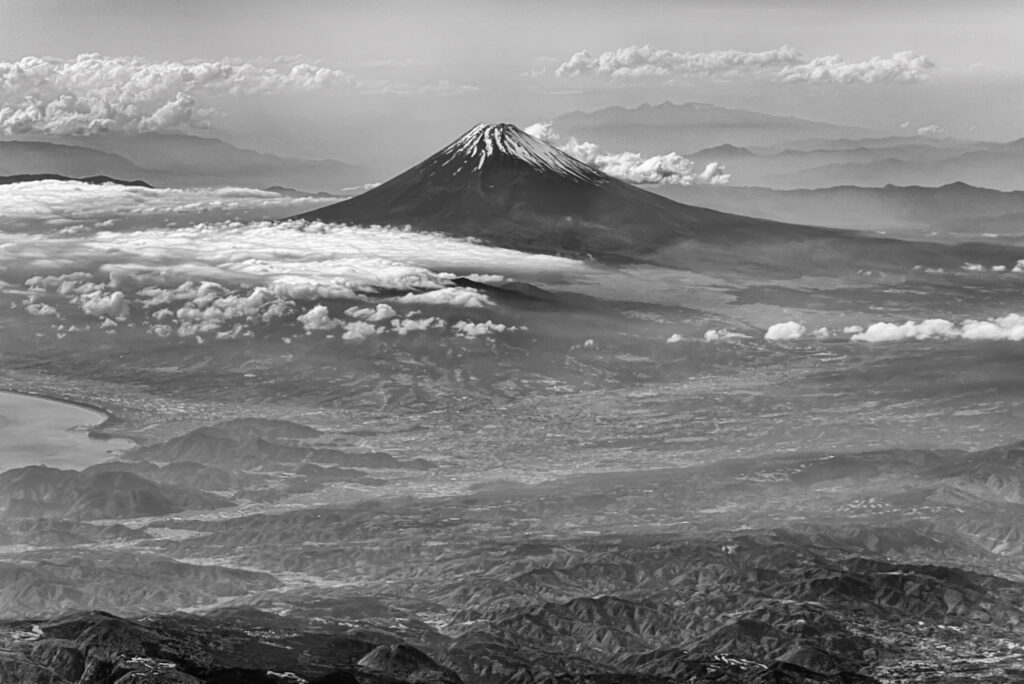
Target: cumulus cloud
x=229, y=279
x=92, y=93
x=405, y=326
x=472, y=330
x=1009, y=327
x=901, y=67
x=644, y=61
x=931, y=129
x=783, y=64
x=382, y=312
x=40, y=309
x=782, y=332
x=319, y=318
x=632, y=167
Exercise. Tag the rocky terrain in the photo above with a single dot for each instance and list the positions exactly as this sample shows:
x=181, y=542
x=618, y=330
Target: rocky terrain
x=888, y=565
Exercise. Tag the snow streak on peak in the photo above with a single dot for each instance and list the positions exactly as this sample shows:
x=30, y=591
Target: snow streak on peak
x=489, y=141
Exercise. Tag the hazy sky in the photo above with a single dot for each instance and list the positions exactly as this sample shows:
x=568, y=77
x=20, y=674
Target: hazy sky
x=354, y=79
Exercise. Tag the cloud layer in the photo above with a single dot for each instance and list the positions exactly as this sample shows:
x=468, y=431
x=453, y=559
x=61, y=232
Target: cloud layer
x=783, y=64
x=63, y=203
x=231, y=279
x=93, y=94
x=632, y=167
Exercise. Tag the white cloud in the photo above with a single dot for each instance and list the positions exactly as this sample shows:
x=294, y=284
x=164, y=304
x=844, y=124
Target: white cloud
x=472, y=330
x=407, y=325
x=319, y=318
x=632, y=167
x=780, y=332
x=901, y=67
x=543, y=131
x=59, y=203
x=40, y=309
x=382, y=312
x=227, y=280
x=931, y=129
x=92, y=94
x=674, y=338
x=1008, y=327
x=722, y=334
x=448, y=296
x=638, y=61
x=783, y=64
x=357, y=331
x=104, y=305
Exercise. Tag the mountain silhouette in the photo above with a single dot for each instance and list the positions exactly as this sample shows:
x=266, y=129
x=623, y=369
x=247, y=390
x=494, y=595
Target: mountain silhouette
x=500, y=185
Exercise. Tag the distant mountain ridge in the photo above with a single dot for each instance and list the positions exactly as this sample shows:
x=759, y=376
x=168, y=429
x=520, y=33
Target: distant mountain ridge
x=668, y=127
x=849, y=206
x=176, y=160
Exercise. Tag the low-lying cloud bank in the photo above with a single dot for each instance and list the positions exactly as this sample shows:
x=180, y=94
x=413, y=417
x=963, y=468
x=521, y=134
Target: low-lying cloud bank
x=632, y=167
x=230, y=279
x=783, y=64
x=59, y=203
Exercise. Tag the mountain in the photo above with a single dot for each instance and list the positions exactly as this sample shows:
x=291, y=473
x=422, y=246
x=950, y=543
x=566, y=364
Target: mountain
x=858, y=207
x=498, y=184
x=39, y=491
x=691, y=126
x=992, y=165
x=174, y=159
x=19, y=157
x=188, y=160
x=772, y=167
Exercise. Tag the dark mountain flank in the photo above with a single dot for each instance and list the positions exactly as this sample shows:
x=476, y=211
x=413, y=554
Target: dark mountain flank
x=500, y=185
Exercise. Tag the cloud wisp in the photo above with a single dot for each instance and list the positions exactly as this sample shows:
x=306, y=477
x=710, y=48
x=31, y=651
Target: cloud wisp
x=783, y=64
x=662, y=169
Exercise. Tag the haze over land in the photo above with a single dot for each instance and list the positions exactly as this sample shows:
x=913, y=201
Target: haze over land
x=532, y=342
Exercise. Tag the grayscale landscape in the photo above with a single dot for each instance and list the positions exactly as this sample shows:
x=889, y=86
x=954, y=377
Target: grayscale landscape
x=562, y=343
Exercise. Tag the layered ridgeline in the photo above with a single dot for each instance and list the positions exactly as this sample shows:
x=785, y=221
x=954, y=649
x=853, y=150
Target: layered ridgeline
x=499, y=184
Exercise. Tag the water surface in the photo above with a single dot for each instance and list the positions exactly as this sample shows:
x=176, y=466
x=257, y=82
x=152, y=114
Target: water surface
x=41, y=431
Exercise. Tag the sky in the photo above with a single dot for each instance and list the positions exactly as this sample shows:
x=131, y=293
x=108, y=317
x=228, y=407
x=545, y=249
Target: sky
x=358, y=80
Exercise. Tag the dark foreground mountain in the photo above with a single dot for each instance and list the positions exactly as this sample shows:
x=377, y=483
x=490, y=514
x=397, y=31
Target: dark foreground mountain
x=500, y=185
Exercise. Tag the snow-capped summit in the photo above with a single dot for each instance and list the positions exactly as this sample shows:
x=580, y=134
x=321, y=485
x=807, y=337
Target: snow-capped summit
x=499, y=184
x=503, y=142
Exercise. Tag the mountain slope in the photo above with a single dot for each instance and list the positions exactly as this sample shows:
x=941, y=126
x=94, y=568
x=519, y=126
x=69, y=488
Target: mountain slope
x=499, y=184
